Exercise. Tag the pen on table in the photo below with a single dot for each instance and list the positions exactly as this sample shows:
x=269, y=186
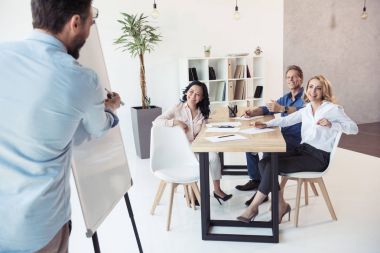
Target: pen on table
x=110, y=92
x=242, y=115
x=226, y=136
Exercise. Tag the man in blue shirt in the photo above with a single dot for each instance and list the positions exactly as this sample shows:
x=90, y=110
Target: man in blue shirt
x=285, y=105
x=46, y=96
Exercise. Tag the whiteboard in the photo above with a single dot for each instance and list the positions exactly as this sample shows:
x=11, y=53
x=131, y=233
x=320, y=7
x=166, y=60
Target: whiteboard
x=99, y=166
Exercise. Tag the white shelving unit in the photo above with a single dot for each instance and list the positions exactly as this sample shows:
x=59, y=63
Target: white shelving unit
x=231, y=83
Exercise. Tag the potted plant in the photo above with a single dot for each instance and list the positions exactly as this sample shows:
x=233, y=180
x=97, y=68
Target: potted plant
x=207, y=50
x=138, y=38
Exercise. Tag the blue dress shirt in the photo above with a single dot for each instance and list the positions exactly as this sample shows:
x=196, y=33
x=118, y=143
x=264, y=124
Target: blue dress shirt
x=292, y=134
x=45, y=96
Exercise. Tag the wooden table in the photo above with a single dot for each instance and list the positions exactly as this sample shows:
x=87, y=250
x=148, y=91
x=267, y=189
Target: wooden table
x=265, y=142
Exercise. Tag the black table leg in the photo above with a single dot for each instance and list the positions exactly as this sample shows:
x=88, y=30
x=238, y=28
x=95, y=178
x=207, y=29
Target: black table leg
x=274, y=161
x=205, y=193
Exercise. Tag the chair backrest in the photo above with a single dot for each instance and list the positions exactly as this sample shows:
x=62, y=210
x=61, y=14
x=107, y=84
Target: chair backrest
x=335, y=146
x=332, y=153
x=169, y=147
x=318, y=174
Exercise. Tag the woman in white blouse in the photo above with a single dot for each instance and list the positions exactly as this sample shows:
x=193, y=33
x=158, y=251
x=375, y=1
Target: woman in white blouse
x=191, y=114
x=321, y=121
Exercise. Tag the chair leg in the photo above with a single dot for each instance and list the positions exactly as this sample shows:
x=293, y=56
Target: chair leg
x=173, y=187
x=298, y=198
x=186, y=195
x=157, y=199
x=305, y=183
x=195, y=188
x=313, y=188
x=284, y=180
x=191, y=192
x=327, y=198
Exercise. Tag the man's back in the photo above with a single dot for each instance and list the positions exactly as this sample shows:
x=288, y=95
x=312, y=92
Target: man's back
x=42, y=105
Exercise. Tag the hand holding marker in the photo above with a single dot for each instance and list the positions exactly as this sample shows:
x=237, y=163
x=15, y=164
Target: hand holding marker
x=110, y=95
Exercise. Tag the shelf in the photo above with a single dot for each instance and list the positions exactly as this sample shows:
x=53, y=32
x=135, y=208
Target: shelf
x=231, y=83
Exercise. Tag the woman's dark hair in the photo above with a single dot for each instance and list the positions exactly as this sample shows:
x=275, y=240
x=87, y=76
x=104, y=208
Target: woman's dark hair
x=204, y=104
x=52, y=15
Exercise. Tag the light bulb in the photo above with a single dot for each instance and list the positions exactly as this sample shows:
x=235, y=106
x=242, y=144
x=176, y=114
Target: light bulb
x=155, y=13
x=236, y=13
x=364, y=13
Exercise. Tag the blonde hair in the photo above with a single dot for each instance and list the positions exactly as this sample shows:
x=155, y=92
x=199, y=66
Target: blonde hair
x=326, y=89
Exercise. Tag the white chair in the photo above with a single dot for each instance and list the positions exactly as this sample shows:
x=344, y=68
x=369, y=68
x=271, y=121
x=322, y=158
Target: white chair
x=311, y=178
x=172, y=161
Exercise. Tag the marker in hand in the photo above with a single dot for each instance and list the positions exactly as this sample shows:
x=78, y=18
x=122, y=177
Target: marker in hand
x=110, y=95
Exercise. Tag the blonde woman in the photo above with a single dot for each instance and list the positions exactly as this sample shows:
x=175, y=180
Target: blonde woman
x=321, y=121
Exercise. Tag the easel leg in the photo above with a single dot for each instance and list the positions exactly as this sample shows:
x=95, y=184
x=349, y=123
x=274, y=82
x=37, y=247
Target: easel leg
x=95, y=242
x=129, y=207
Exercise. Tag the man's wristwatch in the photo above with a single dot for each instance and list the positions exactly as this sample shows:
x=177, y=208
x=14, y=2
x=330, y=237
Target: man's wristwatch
x=286, y=108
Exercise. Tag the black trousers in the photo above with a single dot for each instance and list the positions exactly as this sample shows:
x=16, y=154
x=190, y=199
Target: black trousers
x=305, y=158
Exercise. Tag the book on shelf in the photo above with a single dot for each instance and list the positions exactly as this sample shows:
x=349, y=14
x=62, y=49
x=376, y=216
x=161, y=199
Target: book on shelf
x=211, y=73
x=217, y=91
x=258, y=91
x=193, y=74
x=240, y=71
x=220, y=91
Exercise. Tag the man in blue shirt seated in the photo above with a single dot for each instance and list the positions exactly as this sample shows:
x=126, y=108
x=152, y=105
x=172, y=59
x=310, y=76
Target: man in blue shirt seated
x=46, y=96
x=285, y=105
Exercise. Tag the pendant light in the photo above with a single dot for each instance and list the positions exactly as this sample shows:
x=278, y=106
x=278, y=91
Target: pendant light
x=236, y=13
x=155, y=13
x=364, y=13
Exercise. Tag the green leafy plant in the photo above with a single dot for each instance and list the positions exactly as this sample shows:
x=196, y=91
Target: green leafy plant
x=138, y=37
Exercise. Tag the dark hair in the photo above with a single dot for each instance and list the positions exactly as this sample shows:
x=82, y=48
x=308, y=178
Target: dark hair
x=204, y=104
x=52, y=15
x=296, y=68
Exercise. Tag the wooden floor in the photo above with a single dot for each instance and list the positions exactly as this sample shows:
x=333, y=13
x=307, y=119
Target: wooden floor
x=367, y=141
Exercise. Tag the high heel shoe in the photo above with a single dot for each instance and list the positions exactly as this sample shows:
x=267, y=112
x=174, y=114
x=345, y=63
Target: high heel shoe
x=249, y=219
x=225, y=198
x=287, y=211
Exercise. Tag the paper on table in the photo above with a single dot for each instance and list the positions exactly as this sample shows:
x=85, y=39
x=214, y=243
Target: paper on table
x=231, y=137
x=256, y=130
x=248, y=118
x=222, y=130
x=219, y=124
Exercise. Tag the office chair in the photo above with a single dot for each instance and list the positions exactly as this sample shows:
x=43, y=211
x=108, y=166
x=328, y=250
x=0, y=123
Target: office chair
x=173, y=162
x=311, y=178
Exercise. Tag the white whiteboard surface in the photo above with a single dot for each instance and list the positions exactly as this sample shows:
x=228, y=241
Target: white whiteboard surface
x=99, y=166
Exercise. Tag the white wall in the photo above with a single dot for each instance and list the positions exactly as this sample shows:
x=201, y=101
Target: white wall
x=186, y=26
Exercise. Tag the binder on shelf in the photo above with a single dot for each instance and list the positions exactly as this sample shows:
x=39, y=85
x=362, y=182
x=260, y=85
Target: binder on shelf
x=239, y=89
x=248, y=73
x=231, y=90
x=211, y=73
x=193, y=74
x=229, y=69
x=258, y=91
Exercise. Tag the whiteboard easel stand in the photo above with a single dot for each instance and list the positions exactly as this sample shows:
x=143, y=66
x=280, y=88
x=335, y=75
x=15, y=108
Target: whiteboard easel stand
x=94, y=237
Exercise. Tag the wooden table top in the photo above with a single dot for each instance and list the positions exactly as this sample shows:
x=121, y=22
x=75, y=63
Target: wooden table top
x=263, y=142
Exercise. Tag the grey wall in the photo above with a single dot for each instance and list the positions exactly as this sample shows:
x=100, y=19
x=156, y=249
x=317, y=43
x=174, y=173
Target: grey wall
x=328, y=37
